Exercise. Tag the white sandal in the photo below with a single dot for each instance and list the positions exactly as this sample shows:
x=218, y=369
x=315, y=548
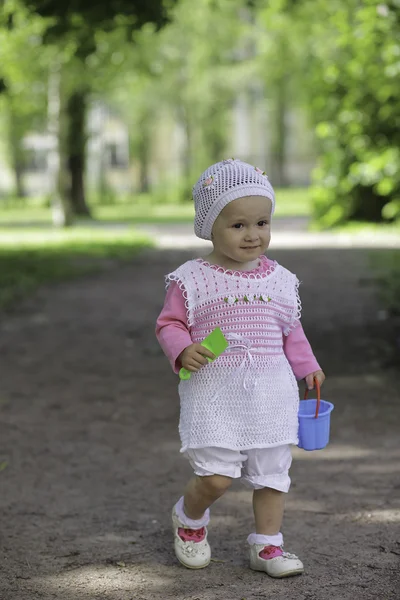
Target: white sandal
x=273, y=561
x=191, y=546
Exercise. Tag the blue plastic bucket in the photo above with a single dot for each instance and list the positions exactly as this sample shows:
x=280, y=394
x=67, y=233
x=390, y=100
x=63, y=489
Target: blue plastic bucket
x=314, y=422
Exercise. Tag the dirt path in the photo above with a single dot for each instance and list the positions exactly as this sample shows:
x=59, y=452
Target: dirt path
x=89, y=429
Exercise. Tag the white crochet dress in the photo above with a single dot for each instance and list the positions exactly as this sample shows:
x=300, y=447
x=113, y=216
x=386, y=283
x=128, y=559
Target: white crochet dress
x=248, y=397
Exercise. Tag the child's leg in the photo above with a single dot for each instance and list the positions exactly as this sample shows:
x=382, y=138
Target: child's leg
x=201, y=492
x=214, y=470
x=268, y=506
x=267, y=472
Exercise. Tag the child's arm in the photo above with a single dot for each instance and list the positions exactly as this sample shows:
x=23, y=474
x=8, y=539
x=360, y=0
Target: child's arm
x=172, y=327
x=301, y=357
x=173, y=335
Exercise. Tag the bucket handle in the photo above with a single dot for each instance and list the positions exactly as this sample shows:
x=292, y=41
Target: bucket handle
x=318, y=396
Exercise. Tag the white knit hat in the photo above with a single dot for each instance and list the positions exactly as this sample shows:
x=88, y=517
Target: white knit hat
x=220, y=184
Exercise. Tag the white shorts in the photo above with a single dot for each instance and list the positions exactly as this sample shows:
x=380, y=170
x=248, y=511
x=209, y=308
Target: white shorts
x=257, y=468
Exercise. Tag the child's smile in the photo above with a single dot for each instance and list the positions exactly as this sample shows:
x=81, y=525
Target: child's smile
x=242, y=232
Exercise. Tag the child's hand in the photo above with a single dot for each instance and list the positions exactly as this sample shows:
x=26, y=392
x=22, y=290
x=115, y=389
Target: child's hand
x=194, y=357
x=319, y=375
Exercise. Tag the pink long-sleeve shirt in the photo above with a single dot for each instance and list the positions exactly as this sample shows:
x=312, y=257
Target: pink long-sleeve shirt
x=173, y=335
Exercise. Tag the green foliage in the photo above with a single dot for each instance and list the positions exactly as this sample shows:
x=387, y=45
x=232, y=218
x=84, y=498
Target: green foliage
x=77, y=34
x=278, y=70
x=204, y=66
x=29, y=258
x=79, y=21
x=24, y=97
x=352, y=52
x=187, y=75
x=340, y=59
x=101, y=14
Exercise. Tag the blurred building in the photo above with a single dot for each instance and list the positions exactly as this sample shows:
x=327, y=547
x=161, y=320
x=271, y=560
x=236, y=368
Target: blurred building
x=112, y=169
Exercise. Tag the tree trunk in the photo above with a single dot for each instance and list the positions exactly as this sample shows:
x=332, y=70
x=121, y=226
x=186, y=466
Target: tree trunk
x=144, y=184
x=216, y=127
x=144, y=157
x=188, y=151
x=279, y=144
x=57, y=164
x=16, y=151
x=76, y=150
x=18, y=178
x=216, y=135
x=187, y=161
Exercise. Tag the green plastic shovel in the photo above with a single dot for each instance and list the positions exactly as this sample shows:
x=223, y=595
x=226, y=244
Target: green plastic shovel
x=216, y=343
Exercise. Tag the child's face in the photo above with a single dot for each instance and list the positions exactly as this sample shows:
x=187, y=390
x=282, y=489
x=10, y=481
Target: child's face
x=242, y=230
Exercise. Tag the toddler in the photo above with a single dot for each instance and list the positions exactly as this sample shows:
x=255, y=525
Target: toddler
x=238, y=416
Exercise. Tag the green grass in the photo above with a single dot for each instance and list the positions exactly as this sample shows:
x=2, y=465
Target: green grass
x=32, y=257
x=141, y=210
x=293, y=202
x=372, y=228
x=144, y=214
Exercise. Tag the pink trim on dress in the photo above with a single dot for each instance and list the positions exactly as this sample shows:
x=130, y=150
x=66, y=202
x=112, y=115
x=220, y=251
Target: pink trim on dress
x=173, y=333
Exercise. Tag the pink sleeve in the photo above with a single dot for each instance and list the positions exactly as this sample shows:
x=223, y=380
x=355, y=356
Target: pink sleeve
x=172, y=328
x=299, y=353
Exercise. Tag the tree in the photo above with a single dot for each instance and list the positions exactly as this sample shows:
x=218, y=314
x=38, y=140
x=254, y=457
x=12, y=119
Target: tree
x=278, y=42
x=351, y=73
x=184, y=80
x=202, y=70
x=22, y=88
x=76, y=24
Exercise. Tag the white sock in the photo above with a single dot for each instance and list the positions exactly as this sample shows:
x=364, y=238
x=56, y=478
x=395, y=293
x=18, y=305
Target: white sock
x=191, y=523
x=265, y=540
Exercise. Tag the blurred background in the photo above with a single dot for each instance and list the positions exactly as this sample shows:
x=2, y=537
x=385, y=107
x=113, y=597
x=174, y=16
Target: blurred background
x=109, y=112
